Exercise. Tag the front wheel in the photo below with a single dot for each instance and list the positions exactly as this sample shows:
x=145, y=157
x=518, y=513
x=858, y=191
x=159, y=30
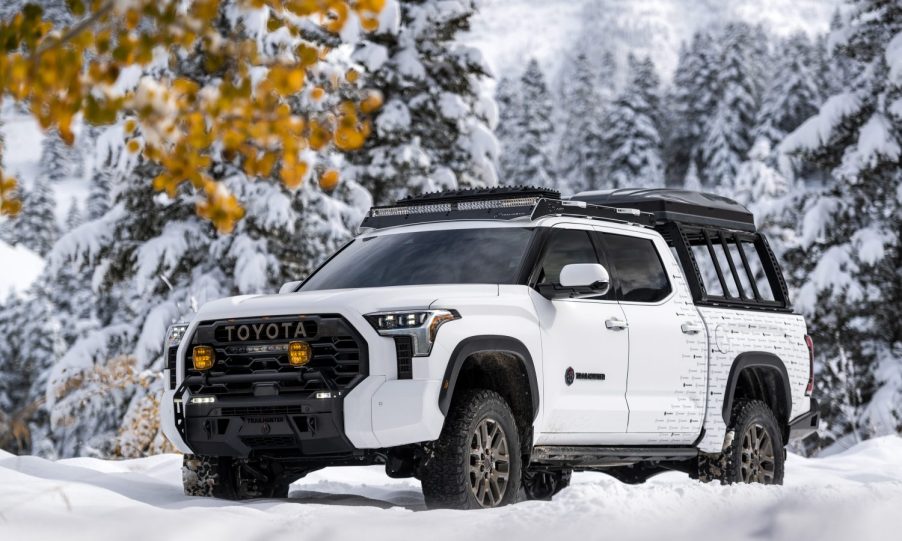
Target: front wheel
x=476, y=461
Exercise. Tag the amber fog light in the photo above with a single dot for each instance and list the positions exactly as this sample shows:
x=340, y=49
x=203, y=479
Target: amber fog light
x=299, y=353
x=203, y=357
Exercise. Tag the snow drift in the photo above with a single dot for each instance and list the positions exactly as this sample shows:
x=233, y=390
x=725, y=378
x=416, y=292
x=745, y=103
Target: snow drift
x=852, y=495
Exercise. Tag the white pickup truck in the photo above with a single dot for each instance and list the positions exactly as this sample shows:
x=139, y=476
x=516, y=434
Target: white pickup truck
x=490, y=342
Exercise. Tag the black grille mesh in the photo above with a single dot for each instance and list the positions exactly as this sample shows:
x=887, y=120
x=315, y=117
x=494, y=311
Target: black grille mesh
x=339, y=354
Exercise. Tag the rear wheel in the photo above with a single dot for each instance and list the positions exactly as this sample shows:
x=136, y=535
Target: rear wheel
x=231, y=479
x=476, y=461
x=756, y=454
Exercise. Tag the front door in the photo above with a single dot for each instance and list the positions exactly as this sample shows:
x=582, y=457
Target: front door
x=585, y=349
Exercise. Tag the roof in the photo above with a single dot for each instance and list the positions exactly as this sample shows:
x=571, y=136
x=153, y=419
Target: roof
x=683, y=206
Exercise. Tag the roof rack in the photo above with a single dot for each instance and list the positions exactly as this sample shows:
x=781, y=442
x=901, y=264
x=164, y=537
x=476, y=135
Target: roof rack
x=682, y=206
x=509, y=203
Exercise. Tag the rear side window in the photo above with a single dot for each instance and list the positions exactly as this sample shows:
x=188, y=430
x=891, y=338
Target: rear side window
x=637, y=268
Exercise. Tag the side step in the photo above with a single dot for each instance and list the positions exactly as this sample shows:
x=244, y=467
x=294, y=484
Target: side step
x=597, y=456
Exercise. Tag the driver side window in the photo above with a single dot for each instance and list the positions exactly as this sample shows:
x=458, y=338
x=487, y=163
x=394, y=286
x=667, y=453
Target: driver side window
x=566, y=247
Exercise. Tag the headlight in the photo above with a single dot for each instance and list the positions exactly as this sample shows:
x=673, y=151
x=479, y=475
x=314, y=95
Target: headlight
x=174, y=335
x=421, y=325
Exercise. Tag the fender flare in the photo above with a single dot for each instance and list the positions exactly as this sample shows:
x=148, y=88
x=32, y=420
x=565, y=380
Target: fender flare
x=752, y=359
x=487, y=344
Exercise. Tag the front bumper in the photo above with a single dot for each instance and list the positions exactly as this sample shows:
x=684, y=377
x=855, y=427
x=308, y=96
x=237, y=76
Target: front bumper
x=280, y=426
x=806, y=424
x=378, y=413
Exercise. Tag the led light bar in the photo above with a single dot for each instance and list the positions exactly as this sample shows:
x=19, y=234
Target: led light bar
x=411, y=209
x=432, y=208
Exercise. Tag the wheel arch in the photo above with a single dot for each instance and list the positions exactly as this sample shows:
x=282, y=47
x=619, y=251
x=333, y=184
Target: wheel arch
x=764, y=375
x=476, y=346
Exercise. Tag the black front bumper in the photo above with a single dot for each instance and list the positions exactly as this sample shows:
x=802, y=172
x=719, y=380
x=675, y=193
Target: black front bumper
x=278, y=426
x=806, y=424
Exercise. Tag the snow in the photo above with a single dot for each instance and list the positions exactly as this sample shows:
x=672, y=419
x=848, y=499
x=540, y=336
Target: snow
x=817, y=130
x=21, y=267
x=850, y=495
x=509, y=32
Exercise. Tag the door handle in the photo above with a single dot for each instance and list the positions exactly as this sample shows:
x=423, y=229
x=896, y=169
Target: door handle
x=616, y=324
x=691, y=328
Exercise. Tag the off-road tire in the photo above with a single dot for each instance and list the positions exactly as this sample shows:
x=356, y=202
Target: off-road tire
x=446, y=475
x=541, y=485
x=756, y=454
x=224, y=478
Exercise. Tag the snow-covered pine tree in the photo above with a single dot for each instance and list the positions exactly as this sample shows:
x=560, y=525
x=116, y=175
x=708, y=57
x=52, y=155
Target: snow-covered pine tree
x=528, y=161
x=581, y=153
x=73, y=215
x=728, y=138
x=434, y=130
x=13, y=384
x=507, y=131
x=793, y=93
x=632, y=130
x=56, y=156
x=152, y=258
x=36, y=227
x=101, y=183
x=756, y=181
x=849, y=256
x=691, y=103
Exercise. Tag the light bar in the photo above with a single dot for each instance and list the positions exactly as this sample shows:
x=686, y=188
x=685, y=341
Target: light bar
x=479, y=204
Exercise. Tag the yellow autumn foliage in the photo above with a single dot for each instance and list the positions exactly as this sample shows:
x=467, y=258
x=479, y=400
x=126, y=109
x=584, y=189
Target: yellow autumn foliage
x=180, y=124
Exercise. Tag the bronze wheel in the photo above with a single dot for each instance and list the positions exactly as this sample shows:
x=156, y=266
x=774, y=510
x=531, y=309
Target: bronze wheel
x=757, y=462
x=489, y=463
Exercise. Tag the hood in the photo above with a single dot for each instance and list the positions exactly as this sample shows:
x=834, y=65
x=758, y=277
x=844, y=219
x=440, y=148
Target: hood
x=341, y=301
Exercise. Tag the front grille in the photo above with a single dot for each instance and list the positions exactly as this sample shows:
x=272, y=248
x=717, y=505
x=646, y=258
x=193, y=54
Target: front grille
x=404, y=353
x=339, y=355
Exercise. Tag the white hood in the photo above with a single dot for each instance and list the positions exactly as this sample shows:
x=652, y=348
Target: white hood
x=342, y=301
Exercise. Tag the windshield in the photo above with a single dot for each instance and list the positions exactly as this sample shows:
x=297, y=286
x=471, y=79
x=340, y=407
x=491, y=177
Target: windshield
x=449, y=256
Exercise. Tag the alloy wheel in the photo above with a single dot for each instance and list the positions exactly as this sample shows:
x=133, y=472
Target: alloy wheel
x=489, y=463
x=757, y=460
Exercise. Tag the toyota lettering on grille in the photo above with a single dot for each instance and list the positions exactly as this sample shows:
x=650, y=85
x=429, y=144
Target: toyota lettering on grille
x=279, y=330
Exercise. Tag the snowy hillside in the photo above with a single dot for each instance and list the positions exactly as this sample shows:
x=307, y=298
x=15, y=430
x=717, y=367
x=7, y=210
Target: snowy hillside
x=853, y=495
x=511, y=31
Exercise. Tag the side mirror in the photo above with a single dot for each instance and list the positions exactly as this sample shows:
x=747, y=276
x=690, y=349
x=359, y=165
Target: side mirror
x=289, y=287
x=581, y=280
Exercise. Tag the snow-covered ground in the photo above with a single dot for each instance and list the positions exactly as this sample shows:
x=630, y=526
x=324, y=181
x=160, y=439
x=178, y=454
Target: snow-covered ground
x=853, y=495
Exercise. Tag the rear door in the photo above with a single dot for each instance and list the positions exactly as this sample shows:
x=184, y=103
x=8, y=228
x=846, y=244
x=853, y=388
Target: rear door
x=585, y=349
x=667, y=378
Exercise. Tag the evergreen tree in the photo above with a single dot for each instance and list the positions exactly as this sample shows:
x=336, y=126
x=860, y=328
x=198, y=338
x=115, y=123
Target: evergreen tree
x=793, y=94
x=632, y=132
x=729, y=136
x=36, y=227
x=507, y=131
x=528, y=136
x=433, y=131
x=55, y=158
x=756, y=181
x=581, y=154
x=149, y=258
x=101, y=184
x=73, y=215
x=691, y=103
x=849, y=257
